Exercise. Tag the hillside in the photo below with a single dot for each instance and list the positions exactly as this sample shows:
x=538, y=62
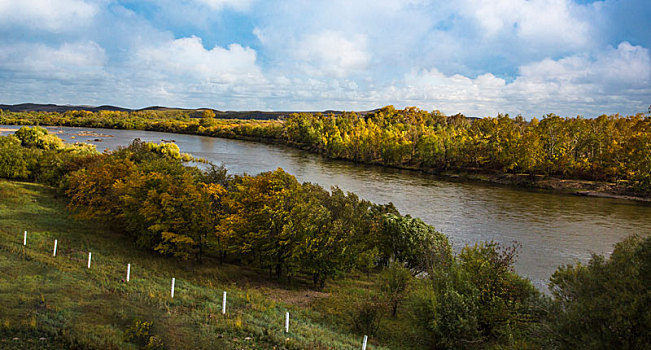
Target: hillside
x=57, y=302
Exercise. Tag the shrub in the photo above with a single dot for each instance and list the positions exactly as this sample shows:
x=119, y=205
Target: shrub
x=477, y=300
x=605, y=304
x=394, y=282
x=139, y=333
x=366, y=315
x=15, y=161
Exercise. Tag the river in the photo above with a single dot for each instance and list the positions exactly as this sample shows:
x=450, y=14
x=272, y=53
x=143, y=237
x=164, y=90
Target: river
x=553, y=229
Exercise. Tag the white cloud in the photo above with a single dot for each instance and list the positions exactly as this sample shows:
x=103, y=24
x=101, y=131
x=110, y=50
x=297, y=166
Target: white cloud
x=627, y=65
x=543, y=22
x=69, y=61
x=368, y=36
x=54, y=15
x=616, y=80
x=332, y=53
x=220, y=4
x=451, y=94
x=187, y=58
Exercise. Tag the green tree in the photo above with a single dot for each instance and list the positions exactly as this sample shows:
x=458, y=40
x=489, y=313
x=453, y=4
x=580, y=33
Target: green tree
x=478, y=300
x=16, y=162
x=413, y=242
x=394, y=281
x=256, y=225
x=207, y=118
x=605, y=304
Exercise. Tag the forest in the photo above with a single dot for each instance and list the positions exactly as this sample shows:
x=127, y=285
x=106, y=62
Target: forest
x=609, y=148
x=290, y=231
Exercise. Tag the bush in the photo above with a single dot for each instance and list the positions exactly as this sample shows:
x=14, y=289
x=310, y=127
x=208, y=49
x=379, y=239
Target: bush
x=15, y=161
x=605, y=304
x=478, y=300
x=366, y=315
x=139, y=333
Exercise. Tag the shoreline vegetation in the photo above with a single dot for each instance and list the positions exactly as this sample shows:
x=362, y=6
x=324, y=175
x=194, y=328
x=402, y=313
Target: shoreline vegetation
x=369, y=269
x=608, y=156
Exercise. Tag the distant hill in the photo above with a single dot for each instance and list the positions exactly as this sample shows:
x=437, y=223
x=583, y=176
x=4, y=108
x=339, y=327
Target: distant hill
x=35, y=107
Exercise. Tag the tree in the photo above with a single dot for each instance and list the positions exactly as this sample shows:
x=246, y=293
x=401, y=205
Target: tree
x=256, y=226
x=15, y=161
x=29, y=137
x=605, y=304
x=412, y=242
x=477, y=299
x=394, y=281
x=207, y=118
x=177, y=210
x=325, y=249
x=91, y=190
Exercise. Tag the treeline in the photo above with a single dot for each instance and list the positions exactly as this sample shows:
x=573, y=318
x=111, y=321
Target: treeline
x=270, y=221
x=175, y=121
x=290, y=230
x=607, y=148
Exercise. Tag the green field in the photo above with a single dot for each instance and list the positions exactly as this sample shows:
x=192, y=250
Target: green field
x=57, y=302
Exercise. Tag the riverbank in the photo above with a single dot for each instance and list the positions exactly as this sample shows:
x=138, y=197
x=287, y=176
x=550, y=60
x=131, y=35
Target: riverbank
x=548, y=184
x=553, y=185
x=478, y=150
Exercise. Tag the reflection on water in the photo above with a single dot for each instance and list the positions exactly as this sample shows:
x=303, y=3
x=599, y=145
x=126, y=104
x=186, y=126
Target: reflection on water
x=553, y=229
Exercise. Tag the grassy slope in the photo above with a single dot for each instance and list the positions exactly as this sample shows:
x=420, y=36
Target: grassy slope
x=55, y=302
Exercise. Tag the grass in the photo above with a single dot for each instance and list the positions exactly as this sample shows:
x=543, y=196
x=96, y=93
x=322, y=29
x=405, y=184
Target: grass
x=51, y=302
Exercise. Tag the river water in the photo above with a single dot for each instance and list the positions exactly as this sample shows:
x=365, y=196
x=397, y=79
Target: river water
x=553, y=229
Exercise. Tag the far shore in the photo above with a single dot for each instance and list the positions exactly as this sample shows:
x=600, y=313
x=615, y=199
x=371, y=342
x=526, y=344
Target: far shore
x=549, y=184
x=583, y=188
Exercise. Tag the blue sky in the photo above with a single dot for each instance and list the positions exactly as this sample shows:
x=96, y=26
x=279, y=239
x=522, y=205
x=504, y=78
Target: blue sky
x=477, y=57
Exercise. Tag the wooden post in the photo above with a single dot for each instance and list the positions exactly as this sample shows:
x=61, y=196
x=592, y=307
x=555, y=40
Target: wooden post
x=25, y=238
x=54, y=252
x=89, y=256
x=287, y=322
x=172, y=293
x=364, y=342
x=224, y=304
x=128, y=271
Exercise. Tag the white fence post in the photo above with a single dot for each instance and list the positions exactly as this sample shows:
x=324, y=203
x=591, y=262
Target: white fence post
x=172, y=293
x=128, y=271
x=287, y=322
x=364, y=342
x=25, y=238
x=54, y=252
x=224, y=304
x=89, y=256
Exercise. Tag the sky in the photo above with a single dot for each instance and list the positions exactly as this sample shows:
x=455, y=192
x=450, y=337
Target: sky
x=476, y=57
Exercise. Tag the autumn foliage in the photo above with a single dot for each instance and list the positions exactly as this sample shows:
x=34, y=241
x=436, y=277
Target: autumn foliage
x=270, y=220
x=609, y=148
